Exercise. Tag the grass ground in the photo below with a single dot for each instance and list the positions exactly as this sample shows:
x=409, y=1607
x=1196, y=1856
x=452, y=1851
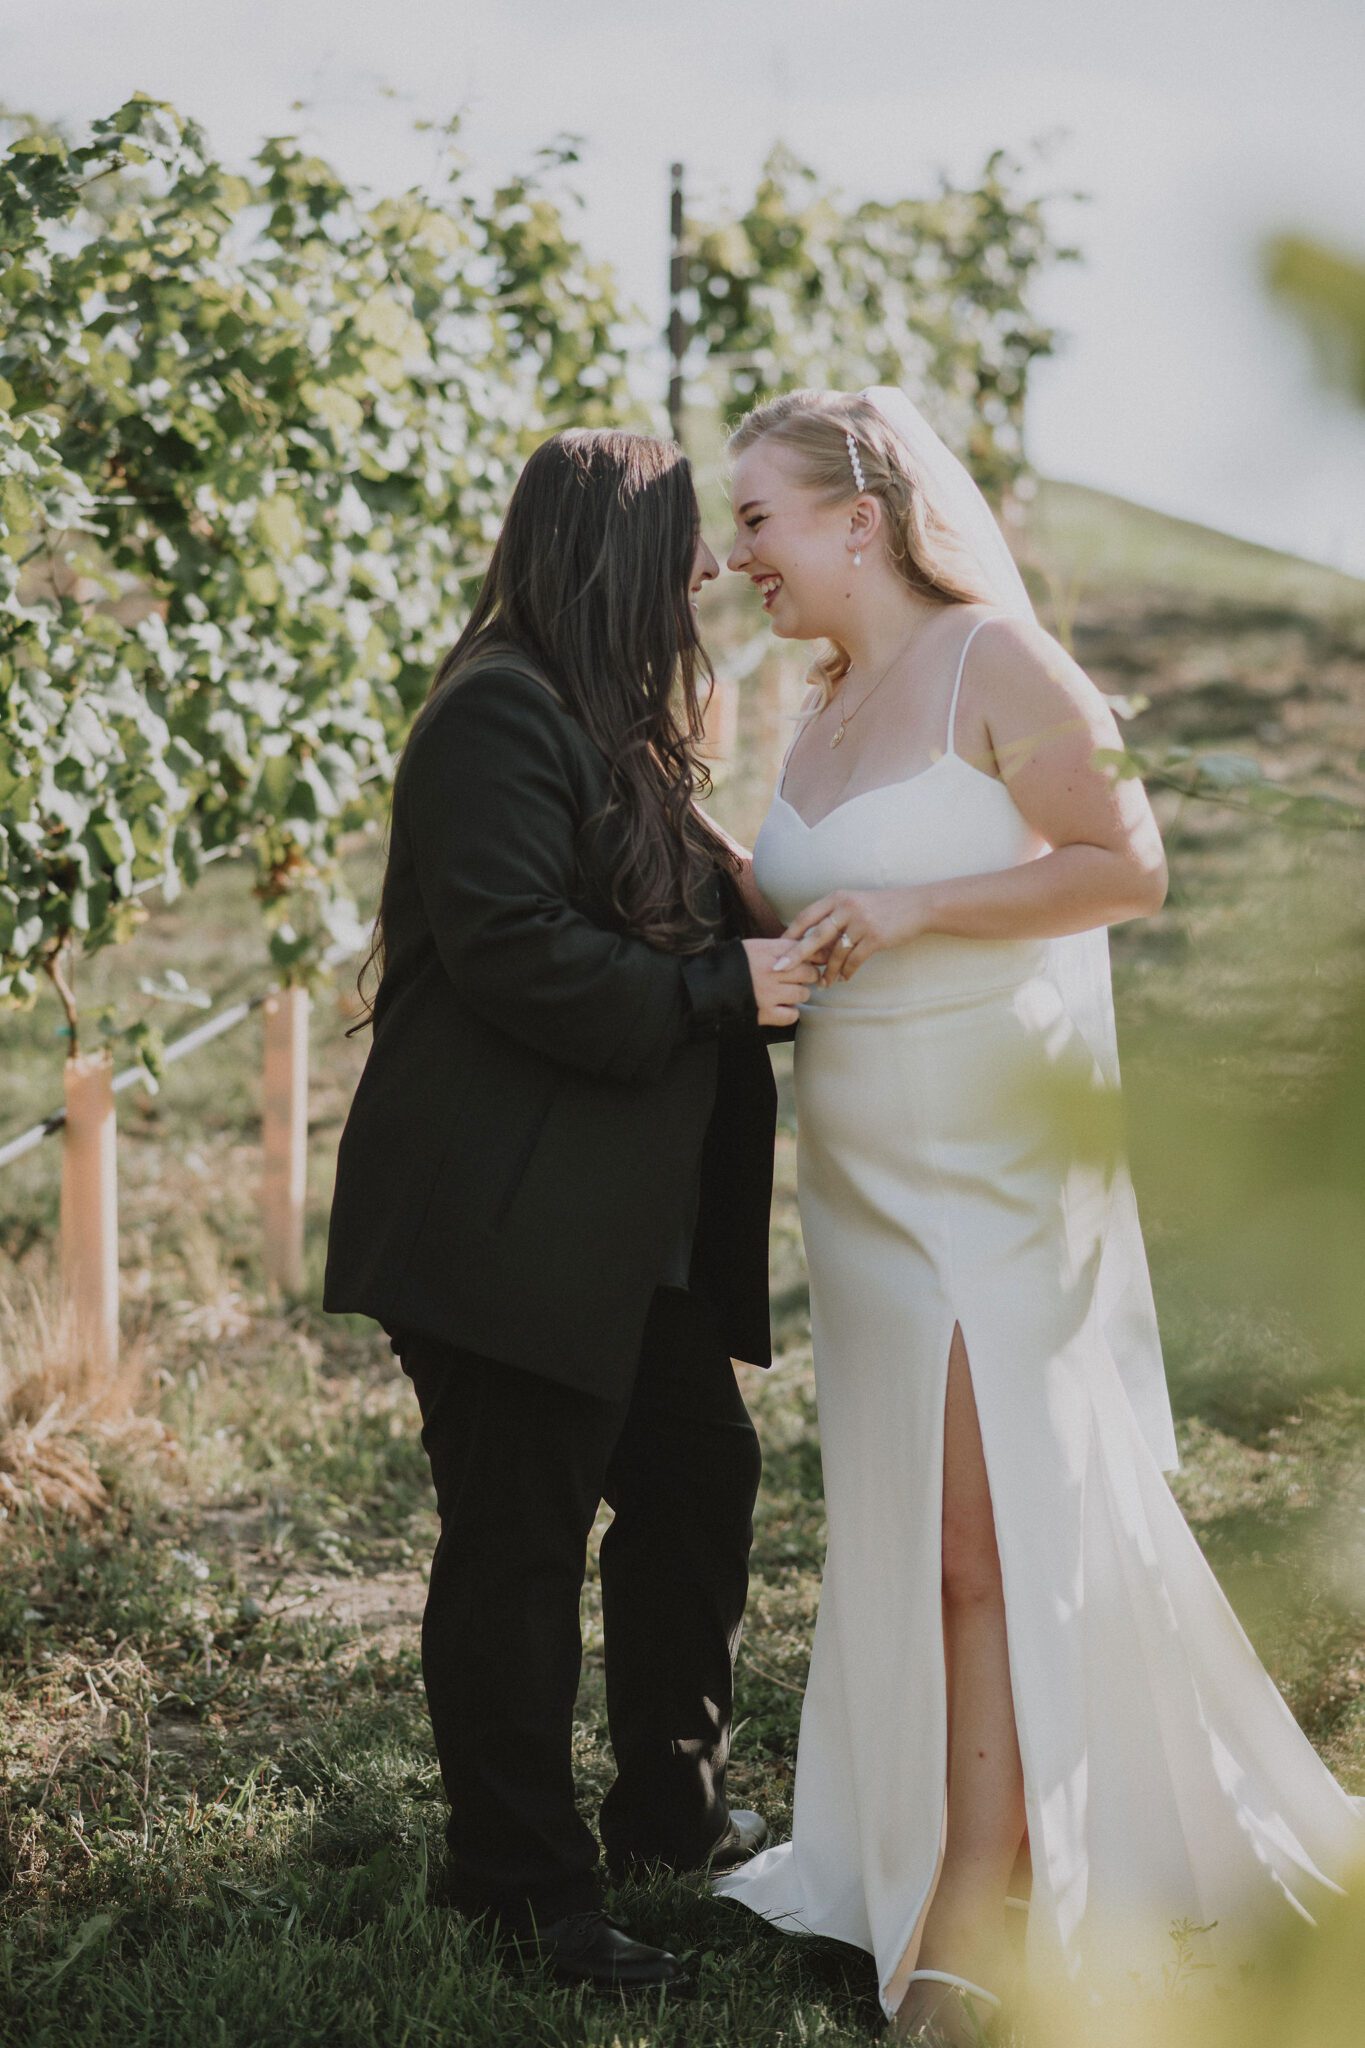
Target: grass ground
x=219, y=1813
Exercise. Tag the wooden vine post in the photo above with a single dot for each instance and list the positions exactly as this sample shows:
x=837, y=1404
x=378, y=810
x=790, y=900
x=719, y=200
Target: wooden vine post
x=285, y=1135
x=89, y=1199
x=89, y=1207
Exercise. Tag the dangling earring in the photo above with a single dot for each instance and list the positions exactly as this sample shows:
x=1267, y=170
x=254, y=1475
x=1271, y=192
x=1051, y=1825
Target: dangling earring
x=857, y=558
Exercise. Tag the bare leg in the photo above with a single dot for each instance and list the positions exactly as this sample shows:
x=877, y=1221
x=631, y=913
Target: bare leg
x=965, y=1930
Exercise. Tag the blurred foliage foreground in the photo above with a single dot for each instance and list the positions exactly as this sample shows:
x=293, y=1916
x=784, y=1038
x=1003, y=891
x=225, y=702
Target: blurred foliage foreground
x=220, y=1818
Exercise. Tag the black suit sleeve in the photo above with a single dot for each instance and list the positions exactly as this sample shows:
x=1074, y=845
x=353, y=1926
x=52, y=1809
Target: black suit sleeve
x=487, y=799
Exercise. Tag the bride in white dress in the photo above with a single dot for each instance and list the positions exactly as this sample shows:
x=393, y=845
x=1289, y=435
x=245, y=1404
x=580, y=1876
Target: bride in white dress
x=1018, y=1638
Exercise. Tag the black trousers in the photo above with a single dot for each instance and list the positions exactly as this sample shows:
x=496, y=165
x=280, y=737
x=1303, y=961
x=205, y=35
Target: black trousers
x=520, y=1467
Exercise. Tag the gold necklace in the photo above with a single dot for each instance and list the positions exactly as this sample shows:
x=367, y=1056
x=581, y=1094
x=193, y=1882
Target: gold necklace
x=846, y=718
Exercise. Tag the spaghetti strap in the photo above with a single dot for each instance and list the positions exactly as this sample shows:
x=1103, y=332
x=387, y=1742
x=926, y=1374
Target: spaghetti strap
x=957, y=685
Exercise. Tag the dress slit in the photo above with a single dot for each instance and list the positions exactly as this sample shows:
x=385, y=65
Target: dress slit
x=892, y=1990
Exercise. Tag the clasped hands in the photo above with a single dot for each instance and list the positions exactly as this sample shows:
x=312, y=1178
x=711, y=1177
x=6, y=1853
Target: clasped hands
x=829, y=942
x=841, y=931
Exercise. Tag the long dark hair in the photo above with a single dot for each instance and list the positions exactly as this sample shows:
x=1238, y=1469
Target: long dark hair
x=588, y=587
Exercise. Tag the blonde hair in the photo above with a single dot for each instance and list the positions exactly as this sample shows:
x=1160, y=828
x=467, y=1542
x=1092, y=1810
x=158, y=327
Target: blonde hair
x=815, y=425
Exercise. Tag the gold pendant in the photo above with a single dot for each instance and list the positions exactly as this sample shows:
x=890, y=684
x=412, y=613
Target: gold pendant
x=838, y=735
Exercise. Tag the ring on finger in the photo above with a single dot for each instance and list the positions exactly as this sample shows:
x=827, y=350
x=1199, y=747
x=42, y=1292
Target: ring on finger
x=845, y=940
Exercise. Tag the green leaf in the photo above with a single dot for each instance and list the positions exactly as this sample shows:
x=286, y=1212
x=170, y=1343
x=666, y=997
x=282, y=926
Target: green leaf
x=90, y=1934
x=280, y=526
x=1227, y=770
x=114, y=839
x=173, y=988
x=262, y=584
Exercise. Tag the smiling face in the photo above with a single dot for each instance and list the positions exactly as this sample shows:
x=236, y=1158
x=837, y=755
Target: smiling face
x=795, y=547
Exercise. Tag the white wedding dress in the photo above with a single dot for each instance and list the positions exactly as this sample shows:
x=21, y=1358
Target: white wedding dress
x=1165, y=1778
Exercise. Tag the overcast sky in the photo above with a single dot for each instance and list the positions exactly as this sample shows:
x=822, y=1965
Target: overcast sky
x=1197, y=125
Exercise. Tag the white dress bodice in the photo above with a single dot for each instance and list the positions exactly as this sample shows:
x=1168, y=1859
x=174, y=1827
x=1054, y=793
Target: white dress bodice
x=948, y=820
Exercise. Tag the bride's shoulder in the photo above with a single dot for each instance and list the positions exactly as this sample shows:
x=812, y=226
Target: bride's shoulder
x=1028, y=684
x=1019, y=659
x=1011, y=639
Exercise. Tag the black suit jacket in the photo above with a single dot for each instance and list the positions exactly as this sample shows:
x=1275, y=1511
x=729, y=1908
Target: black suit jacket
x=544, y=1090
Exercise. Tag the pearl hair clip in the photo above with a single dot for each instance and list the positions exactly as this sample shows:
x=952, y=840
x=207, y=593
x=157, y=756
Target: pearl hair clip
x=859, y=479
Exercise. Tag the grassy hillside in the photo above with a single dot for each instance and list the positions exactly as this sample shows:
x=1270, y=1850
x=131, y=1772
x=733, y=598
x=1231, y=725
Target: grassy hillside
x=219, y=1811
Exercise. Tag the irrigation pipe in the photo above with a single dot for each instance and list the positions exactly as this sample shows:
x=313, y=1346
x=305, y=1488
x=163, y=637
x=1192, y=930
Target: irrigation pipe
x=178, y=1049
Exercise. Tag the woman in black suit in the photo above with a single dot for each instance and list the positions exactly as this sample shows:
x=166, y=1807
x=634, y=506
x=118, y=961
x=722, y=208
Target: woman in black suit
x=553, y=1191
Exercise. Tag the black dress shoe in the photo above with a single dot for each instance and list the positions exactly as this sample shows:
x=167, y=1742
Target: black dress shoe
x=588, y=1948
x=743, y=1838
